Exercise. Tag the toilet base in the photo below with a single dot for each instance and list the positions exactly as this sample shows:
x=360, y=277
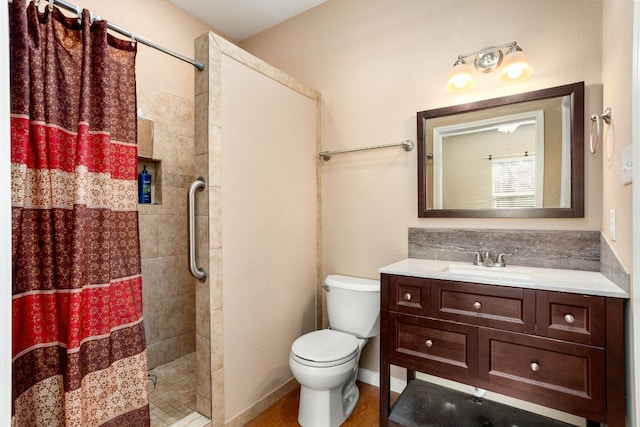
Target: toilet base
x=327, y=408
x=328, y=395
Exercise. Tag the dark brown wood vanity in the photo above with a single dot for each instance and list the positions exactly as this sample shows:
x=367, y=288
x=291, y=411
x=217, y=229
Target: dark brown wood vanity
x=562, y=350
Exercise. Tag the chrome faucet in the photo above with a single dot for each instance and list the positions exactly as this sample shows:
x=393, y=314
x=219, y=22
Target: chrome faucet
x=478, y=258
x=500, y=260
x=487, y=260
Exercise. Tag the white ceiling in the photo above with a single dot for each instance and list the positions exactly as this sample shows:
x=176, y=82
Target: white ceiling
x=240, y=19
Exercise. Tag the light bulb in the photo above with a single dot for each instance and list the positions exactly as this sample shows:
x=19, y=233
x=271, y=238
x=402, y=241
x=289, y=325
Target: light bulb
x=460, y=78
x=515, y=66
x=514, y=72
x=460, y=81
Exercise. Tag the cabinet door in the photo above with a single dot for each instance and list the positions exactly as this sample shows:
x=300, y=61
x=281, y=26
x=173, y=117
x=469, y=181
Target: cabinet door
x=440, y=348
x=558, y=374
x=409, y=295
x=571, y=317
x=500, y=307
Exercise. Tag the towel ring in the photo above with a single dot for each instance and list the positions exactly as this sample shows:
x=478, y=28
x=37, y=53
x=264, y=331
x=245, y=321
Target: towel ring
x=606, y=115
x=596, y=118
x=594, y=147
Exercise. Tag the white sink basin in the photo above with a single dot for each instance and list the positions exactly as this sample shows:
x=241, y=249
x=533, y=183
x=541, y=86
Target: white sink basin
x=500, y=273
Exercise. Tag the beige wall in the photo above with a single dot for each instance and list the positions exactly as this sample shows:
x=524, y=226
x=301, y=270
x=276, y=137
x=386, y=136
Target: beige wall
x=617, y=58
x=378, y=63
x=269, y=230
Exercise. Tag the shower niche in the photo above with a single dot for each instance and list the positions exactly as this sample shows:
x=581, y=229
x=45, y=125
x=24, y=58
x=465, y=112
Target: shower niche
x=154, y=168
x=145, y=158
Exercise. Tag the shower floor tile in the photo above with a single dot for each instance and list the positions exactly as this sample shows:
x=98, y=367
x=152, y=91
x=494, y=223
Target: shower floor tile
x=174, y=396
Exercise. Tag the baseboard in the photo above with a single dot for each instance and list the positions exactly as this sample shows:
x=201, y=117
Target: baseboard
x=373, y=378
x=257, y=408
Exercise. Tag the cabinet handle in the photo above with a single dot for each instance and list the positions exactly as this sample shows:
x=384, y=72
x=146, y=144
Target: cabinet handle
x=569, y=318
x=407, y=296
x=477, y=305
x=535, y=367
x=428, y=343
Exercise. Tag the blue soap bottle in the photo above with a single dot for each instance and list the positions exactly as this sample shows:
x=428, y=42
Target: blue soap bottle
x=144, y=186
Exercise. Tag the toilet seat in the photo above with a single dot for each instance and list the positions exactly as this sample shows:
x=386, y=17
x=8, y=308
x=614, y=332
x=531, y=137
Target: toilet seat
x=324, y=348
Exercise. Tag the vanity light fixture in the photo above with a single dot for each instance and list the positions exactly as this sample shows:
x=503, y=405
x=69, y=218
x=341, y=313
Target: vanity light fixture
x=487, y=60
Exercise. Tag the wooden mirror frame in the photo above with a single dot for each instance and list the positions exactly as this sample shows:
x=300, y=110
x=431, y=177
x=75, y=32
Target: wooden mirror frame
x=576, y=93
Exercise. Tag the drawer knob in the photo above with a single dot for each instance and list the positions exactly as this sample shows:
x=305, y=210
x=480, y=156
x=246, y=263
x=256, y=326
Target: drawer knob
x=535, y=367
x=407, y=296
x=428, y=343
x=477, y=305
x=569, y=318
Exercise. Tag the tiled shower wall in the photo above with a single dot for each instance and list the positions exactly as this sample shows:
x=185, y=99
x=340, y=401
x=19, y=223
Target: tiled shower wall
x=168, y=288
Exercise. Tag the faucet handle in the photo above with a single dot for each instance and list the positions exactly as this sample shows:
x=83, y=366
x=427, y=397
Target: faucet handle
x=478, y=258
x=500, y=260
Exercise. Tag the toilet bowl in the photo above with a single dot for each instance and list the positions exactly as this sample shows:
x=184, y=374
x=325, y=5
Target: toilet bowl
x=325, y=362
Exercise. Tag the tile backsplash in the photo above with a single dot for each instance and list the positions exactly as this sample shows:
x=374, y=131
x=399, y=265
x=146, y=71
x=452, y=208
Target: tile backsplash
x=574, y=250
x=567, y=249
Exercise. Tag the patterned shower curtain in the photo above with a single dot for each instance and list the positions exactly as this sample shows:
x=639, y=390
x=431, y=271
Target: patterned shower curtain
x=79, y=355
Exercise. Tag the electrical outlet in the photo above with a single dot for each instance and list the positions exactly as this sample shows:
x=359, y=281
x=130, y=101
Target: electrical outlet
x=612, y=224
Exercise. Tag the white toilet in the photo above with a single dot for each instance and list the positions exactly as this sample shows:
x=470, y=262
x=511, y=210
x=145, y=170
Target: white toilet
x=325, y=362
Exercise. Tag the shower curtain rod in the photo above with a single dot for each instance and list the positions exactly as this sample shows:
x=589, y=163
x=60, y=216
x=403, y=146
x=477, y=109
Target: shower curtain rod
x=78, y=11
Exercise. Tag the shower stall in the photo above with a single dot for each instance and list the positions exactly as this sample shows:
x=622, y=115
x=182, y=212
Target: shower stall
x=256, y=231
x=257, y=222
x=168, y=289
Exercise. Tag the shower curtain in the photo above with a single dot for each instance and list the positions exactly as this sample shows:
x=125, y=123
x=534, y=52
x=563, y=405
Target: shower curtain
x=79, y=355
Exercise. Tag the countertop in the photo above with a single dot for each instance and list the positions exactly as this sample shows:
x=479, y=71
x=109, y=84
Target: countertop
x=551, y=279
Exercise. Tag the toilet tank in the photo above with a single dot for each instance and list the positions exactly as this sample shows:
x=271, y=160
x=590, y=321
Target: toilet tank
x=353, y=305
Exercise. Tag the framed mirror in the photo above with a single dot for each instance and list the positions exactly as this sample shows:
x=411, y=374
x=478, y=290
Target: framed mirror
x=515, y=156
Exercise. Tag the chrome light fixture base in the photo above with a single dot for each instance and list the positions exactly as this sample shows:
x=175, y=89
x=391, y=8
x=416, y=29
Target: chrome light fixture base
x=488, y=59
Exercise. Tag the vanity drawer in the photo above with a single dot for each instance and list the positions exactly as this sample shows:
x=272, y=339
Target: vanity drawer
x=500, y=307
x=571, y=317
x=409, y=295
x=562, y=375
x=435, y=345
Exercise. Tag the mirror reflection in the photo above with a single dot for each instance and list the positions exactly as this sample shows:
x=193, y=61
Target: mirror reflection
x=510, y=156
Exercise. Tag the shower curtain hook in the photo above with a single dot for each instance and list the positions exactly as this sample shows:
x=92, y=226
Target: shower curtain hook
x=79, y=14
x=133, y=38
x=51, y=2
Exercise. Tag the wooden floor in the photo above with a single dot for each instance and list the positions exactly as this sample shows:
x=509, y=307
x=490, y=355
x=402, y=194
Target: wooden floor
x=285, y=411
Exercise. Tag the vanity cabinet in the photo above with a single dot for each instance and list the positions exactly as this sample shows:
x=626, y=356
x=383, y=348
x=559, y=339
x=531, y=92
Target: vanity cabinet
x=557, y=349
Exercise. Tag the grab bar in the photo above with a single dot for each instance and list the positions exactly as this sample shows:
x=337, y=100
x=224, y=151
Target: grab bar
x=199, y=273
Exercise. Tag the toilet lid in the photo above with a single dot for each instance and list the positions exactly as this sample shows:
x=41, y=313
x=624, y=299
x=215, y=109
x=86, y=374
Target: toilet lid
x=325, y=346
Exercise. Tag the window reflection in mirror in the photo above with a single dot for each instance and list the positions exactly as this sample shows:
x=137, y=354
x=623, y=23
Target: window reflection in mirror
x=509, y=156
